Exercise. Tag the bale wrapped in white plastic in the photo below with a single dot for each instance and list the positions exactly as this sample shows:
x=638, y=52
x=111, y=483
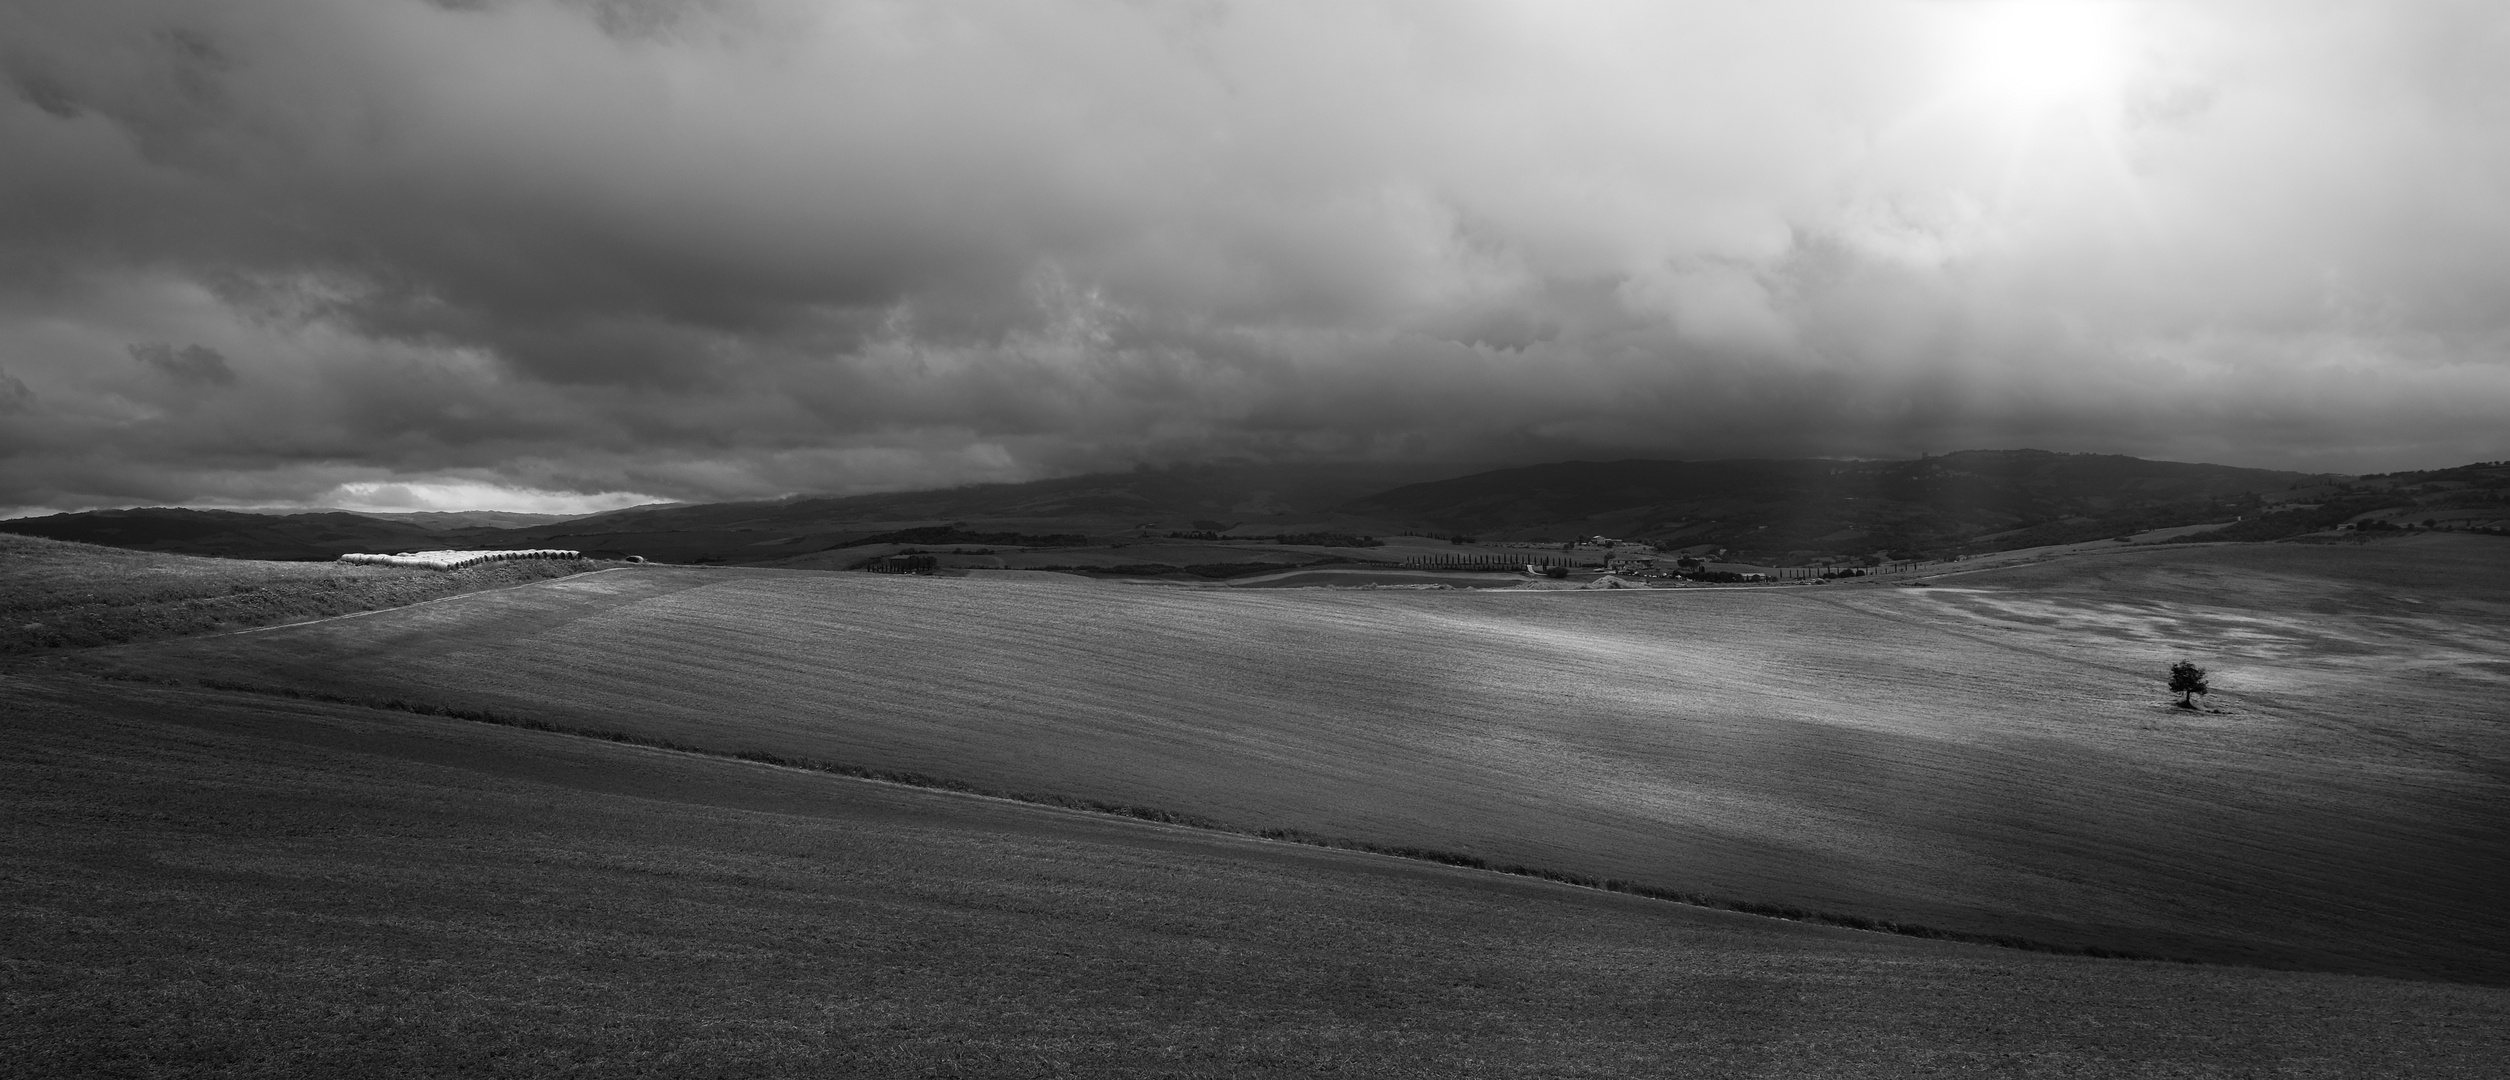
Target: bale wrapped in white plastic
x=456, y=560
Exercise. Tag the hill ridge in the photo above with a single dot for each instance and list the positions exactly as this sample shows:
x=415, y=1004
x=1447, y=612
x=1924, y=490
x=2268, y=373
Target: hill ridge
x=1770, y=510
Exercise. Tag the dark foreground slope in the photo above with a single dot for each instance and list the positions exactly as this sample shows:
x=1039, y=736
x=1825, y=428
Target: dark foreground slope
x=201, y=884
x=1985, y=758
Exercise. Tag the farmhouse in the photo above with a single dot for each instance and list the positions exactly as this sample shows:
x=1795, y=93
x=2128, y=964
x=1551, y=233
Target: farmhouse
x=1636, y=565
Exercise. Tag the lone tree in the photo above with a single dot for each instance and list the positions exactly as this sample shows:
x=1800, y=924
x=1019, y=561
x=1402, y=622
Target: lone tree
x=2186, y=679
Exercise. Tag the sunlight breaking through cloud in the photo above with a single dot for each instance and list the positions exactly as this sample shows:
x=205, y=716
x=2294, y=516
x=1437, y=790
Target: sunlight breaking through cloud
x=255, y=250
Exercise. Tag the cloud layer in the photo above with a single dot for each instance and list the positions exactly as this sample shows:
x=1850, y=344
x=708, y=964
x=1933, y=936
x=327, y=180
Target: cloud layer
x=253, y=251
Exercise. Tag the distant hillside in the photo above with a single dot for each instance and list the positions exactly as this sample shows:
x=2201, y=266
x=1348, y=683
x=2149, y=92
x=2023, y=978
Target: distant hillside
x=1172, y=497
x=1981, y=498
x=2473, y=496
x=1770, y=510
x=231, y=533
x=321, y=534
x=442, y=520
x=1185, y=497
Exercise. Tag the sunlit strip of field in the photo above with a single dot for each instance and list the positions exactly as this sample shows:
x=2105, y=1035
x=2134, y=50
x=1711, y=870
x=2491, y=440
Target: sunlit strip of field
x=1869, y=751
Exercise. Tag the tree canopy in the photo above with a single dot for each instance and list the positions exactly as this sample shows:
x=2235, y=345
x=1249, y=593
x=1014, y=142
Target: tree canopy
x=2187, y=679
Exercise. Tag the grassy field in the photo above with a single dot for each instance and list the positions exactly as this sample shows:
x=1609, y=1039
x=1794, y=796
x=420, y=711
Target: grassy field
x=1993, y=755
x=212, y=884
x=2414, y=627
x=57, y=594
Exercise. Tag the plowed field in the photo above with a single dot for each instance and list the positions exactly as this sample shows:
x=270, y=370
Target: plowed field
x=1983, y=756
x=195, y=883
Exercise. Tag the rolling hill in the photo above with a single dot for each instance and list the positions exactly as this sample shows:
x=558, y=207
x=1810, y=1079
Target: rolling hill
x=203, y=883
x=58, y=594
x=1980, y=757
x=229, y=533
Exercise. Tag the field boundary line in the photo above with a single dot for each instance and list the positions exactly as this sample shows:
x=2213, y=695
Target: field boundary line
x=395, y=607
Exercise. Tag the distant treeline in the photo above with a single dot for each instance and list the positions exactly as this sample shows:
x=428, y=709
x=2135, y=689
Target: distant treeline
x=2283, y=523
x=1487, y=562
x=952, y=534
x=1324, y=539
x=1314, y=539
x=2098, y=525
x=1215, y=571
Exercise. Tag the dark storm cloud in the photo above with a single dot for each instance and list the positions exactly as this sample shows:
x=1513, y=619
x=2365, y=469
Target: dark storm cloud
x=191, y=363
x=741, y=248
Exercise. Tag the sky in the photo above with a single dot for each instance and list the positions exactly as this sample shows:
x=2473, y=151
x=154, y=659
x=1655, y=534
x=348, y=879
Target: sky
x=568, y=255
